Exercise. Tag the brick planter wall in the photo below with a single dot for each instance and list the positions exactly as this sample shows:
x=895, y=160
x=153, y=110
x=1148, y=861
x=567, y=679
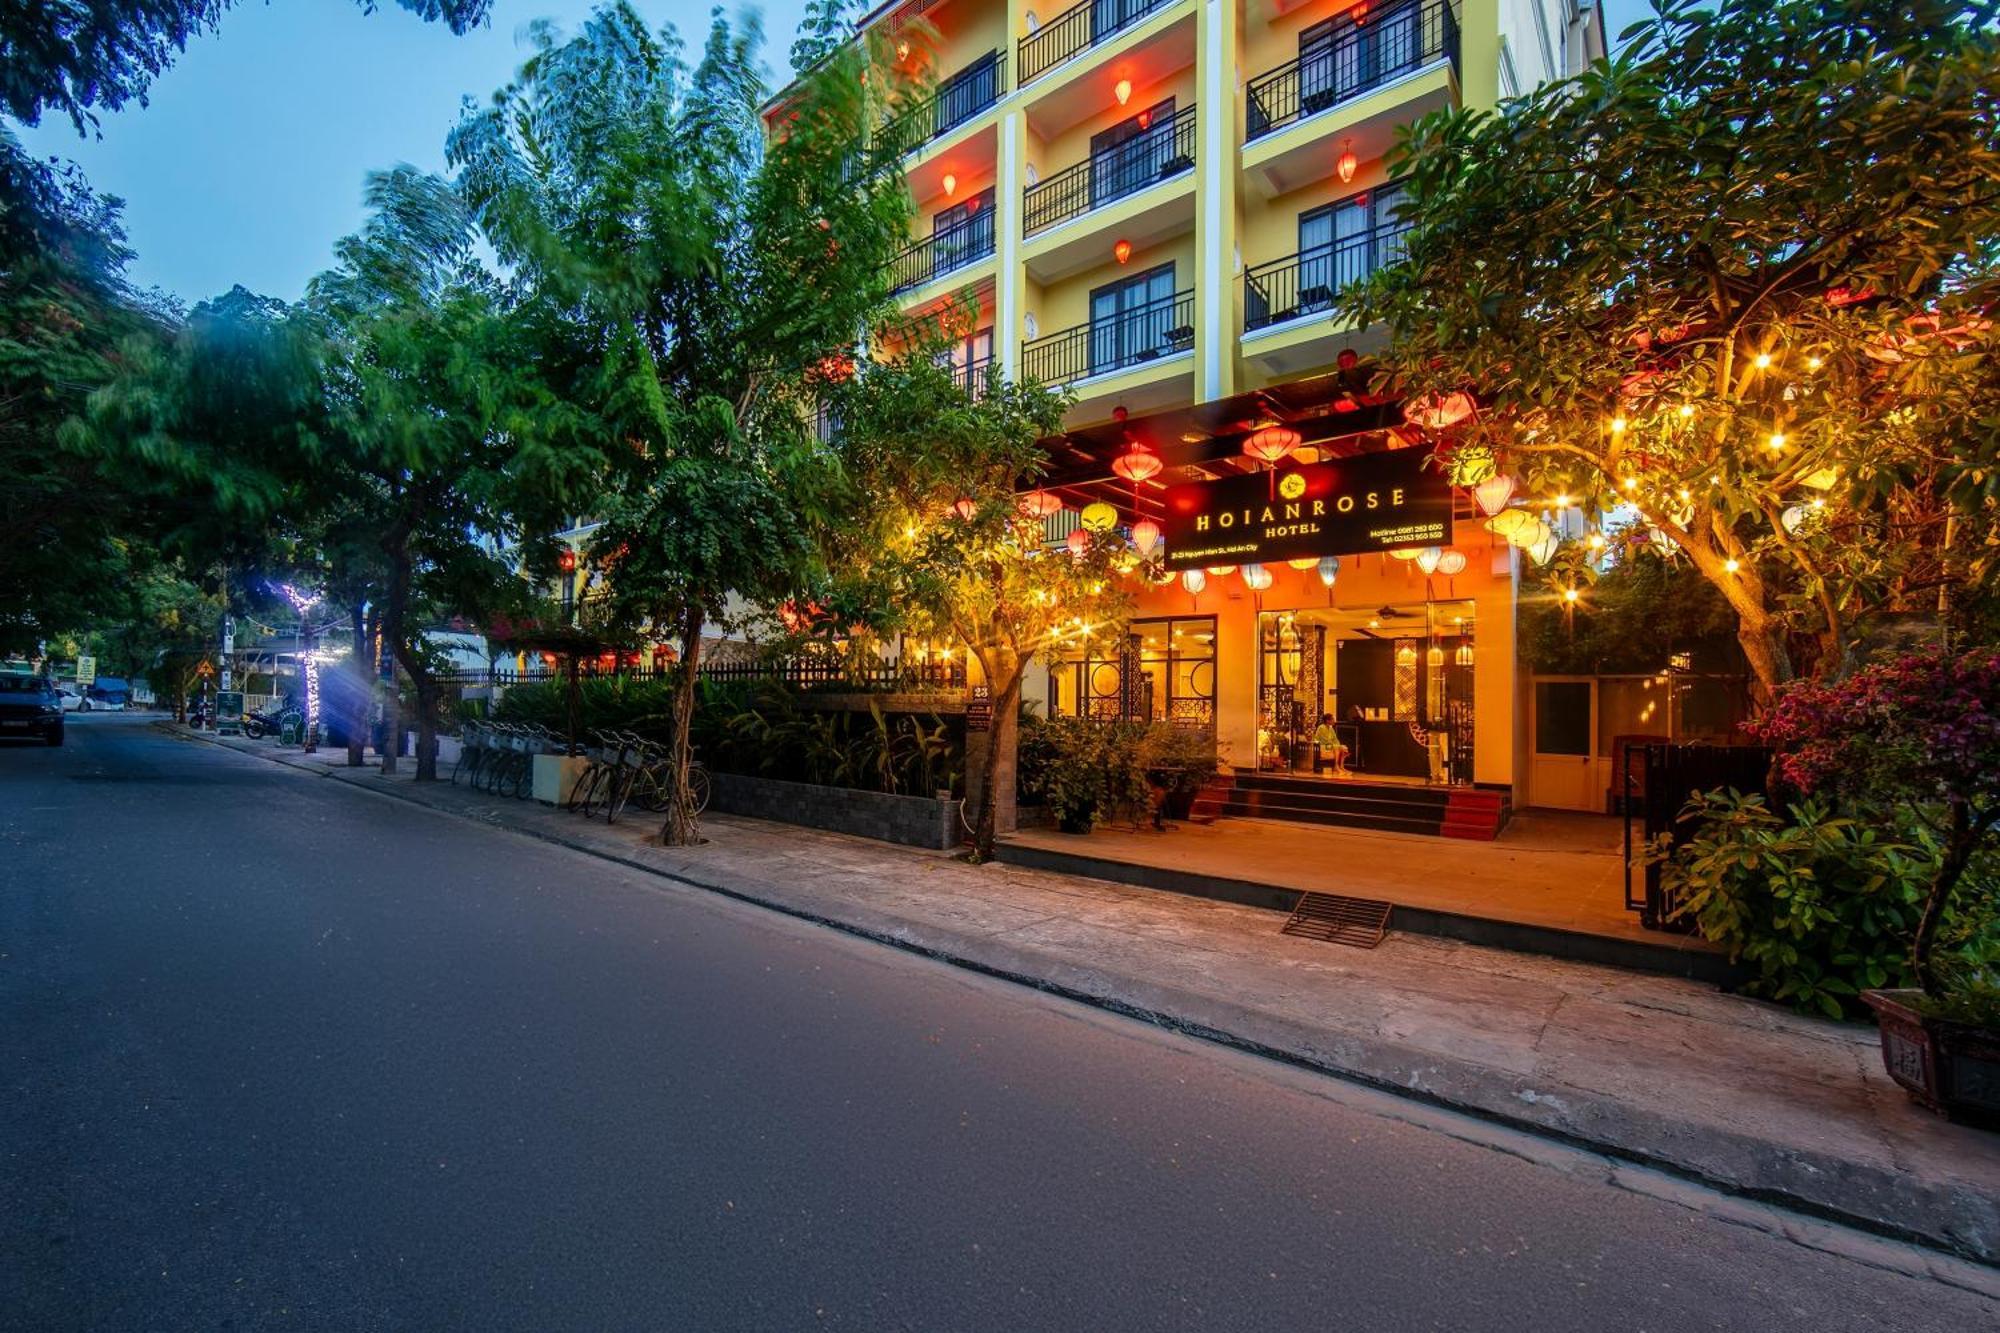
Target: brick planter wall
x=913, y=821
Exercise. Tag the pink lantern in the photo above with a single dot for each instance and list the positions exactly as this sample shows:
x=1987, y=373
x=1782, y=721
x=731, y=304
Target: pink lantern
x=1439, y=411
x=1451, y=564
x=1493, y=494
x=1079, y=543
x=966, y=507
x=1038, y=503
x=1137, y=464
x=1146, y=536
x=1271, y=444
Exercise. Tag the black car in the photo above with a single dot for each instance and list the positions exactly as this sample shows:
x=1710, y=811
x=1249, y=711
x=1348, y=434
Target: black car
x=29, y=707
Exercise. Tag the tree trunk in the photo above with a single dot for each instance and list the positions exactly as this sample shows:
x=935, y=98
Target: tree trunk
x=1764, y=649
x=359, y=667
x=680, y=828
x=1001, y=751
x=392, y=635
x=1959, y=846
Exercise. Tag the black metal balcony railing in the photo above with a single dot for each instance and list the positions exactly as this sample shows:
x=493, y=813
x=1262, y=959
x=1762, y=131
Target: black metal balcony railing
x=1144, y=333
x=972, y=375
x=962, y=243
x=1306, y=283
x=1078, y=28
x=1156, y=153
x=956, y=100
x=1359, y=59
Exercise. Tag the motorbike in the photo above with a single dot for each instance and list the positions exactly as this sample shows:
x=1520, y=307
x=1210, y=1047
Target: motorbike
x=269, y=721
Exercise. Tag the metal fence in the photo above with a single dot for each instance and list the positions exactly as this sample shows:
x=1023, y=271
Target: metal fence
x=1078, y=28
x=944, y=251
x=955, y=101
x=803, y=673
x=1156, y=153
x=1144, y=333
x=1655, y=785
x=1359, y=58
x=1306, y=283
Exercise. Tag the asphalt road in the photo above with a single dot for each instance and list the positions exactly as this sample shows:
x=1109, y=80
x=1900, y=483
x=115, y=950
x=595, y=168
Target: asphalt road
x=279, y=1054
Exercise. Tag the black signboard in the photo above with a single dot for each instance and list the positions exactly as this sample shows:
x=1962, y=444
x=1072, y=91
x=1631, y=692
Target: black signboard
x=1372, y=502
x=979, y=709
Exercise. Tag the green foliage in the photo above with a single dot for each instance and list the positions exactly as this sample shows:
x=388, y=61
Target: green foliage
x=1086, y=771
x=1762, y=218
x=1826, y=901
x=1821, y=905
x=1639, y=613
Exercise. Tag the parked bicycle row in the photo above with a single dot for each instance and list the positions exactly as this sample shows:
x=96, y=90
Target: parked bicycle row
x=622, y=769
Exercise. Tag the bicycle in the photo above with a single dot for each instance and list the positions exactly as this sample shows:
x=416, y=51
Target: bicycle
x=475, y=748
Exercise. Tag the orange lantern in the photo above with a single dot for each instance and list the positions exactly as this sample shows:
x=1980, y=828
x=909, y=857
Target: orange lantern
x=966, y=507
x=1038, y=503
x=1271, y=444
x=1079, y=542
x=1122, y=251
x=1347, y=164
x=1146, y=536
x=1137, y=464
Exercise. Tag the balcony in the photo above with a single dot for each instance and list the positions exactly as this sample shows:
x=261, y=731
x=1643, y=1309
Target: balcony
x=958, y=246
x=1161, y=152
x=1079, y=28
x=1132, y=338
x=1305, y=284
x=972, y=376
x=1356, y=61
x=957, y=100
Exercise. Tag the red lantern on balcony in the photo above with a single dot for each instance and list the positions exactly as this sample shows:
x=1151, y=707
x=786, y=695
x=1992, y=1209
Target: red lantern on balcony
x=1137, y=464
x=1272, y=444
x=1346, y=164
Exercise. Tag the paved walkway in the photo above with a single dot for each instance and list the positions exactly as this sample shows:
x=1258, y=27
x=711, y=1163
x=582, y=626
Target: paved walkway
x=1739, y=1094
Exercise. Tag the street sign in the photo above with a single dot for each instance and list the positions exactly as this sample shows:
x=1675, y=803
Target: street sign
x=979, y=709
x=205, y=670
x=86, y=670
x=229, y=712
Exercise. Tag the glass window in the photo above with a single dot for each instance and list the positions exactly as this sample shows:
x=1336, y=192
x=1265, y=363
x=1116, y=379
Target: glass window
x=1129, y=319
x=1562, y=717
x=1161, y=670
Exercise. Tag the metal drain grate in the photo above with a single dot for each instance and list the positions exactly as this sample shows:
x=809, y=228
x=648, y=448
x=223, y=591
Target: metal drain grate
x=1361, y=922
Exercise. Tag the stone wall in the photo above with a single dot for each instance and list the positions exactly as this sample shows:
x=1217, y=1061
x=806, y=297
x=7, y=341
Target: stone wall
x=913, y=821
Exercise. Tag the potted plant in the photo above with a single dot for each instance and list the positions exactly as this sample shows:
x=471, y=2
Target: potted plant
x=1179, y=761
x=1070, y=771
x=1922, y=731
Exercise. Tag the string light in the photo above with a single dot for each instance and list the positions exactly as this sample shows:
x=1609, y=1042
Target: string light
x=1618, y=425
x=1687, y=410
x=1731, y=565
x=1762, y=361
x=1569, y=595
x=1814, y=363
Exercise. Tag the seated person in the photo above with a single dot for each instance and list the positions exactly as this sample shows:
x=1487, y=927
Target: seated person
x=1327, y=747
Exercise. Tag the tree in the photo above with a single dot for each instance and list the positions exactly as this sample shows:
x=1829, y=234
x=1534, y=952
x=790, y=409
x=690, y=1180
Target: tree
x=694, y=280
x=440, y=441
x=1921, y=731
x=937, y=542
x=76, y=57
x=1735, y=279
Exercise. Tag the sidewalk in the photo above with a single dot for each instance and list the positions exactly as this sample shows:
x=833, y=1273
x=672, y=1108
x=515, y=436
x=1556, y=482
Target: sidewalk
x=1741, y=1095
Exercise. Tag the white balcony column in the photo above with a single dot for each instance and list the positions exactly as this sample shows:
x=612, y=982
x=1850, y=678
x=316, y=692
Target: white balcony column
x=1009, y=287
x=1215, y=202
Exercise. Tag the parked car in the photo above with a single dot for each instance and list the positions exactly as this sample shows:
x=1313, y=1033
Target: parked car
x=69, y=696
x=30, y=707
x=107, y=693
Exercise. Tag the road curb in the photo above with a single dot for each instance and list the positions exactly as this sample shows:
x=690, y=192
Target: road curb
x=1957, y=1219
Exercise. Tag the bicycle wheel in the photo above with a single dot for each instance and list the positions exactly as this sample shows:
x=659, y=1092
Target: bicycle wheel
x=621, y=792
x=596, y=791
x=699, y=787
x=581, y=787
x=521, y=776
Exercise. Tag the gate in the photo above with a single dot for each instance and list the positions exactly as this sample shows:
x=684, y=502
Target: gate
x=1656, y=782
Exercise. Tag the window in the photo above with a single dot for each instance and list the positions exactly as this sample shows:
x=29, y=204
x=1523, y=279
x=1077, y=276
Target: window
x=1562, y=717
x=1343, y=242
x=969, y=357
x=1132, y=154
x=1131, y=319
x=1162, y=670
x=1346, y=54
x=962, y=233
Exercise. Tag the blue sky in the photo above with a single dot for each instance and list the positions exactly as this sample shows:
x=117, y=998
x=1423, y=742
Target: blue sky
x=248, y=163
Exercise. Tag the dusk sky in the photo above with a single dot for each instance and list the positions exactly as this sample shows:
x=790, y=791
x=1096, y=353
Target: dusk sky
x=248, y=163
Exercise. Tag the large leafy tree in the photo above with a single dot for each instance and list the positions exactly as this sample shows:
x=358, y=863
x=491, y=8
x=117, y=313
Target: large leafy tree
x=75, y=56
x=1730, y=292
x=936, y=540
x=439, y=440
x=693, y=281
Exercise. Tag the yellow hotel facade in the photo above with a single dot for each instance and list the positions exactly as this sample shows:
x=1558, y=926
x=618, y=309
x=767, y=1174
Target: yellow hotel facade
x=1154, y=203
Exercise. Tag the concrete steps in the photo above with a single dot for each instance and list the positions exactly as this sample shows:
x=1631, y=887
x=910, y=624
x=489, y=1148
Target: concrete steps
x=1456, y=812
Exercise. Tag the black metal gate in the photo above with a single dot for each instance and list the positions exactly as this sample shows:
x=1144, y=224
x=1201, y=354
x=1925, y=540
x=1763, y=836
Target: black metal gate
x=1656, y=783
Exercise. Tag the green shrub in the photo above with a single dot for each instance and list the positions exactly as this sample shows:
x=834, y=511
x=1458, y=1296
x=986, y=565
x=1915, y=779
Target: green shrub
x=1822, y=905
x=1088, y=772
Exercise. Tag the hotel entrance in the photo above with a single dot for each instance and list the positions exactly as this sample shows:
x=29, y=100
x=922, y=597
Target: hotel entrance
x=1368, y=693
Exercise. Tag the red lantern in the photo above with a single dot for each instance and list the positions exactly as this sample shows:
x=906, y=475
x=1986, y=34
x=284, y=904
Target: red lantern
x=1079, y=542
x=966, y=507
x=1440, y=411
x=1346, y=165
x=1137, y=464
x=567, y=561
x=1122, y=251
x=1271, y=444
